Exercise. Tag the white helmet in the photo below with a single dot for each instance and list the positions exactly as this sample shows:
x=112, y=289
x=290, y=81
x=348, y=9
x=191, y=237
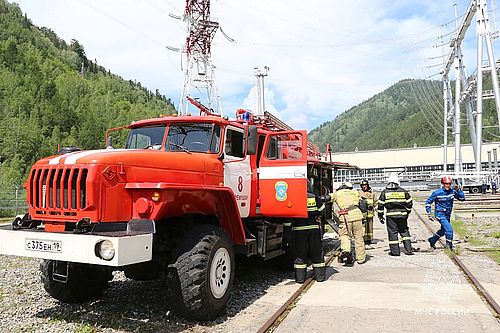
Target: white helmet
x=393, y=178
x=345, y=185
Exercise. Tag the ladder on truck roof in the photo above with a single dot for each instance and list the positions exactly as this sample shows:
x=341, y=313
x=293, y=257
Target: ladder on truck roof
x=273, y=123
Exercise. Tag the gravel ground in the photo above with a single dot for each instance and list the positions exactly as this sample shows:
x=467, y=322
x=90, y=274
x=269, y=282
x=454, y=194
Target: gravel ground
x=486, y=229
x=127, y=305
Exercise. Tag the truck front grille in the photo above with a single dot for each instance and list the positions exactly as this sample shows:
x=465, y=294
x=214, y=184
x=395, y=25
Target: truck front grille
x=58, y=188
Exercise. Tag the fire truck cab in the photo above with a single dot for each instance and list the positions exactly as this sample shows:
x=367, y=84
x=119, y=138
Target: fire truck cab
x=177, y=202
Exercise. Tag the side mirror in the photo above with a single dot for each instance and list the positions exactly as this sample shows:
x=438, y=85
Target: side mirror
x=251, y=140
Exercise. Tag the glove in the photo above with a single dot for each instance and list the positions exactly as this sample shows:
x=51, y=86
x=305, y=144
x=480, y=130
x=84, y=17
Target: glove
x=430, y=217
x=381, y=219
x=325, y=198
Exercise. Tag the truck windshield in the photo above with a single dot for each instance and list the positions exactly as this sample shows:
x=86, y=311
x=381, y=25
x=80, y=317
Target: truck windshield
x=150, y=137
x=193, y=138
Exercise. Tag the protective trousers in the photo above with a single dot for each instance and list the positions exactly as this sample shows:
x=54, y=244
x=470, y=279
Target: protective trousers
x=445, y=230
x=306, y=242
x=368, y=236
x=395, y=226
x=348, y=231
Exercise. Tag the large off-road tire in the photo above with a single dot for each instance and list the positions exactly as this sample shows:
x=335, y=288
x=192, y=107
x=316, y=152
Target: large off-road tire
x=84, y=283
x=201, y=278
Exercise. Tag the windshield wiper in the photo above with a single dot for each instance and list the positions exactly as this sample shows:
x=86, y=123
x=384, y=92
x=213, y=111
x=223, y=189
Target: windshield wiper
x=180, y=147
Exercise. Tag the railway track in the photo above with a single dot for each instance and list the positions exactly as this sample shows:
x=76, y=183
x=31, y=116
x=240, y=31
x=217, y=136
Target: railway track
x=483, y=202
x=282, y=312
x=274, y=321
x=485, y=296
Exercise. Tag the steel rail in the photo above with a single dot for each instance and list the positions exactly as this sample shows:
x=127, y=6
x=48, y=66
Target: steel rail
x=483, y=293
x=283, y=311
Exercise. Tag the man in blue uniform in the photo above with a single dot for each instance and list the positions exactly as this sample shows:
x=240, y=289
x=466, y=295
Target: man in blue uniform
x=443, y=204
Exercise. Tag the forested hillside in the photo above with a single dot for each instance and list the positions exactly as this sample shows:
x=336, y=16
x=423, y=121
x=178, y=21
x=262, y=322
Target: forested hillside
x=409, y=112
x=51, y=93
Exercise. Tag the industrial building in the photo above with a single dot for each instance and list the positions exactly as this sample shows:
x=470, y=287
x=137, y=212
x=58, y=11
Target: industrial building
x=416, y=164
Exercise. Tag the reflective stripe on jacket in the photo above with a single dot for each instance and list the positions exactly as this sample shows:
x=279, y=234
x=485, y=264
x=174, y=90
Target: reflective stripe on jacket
x=369, y=197
x=396, y=201
x=314, y=204
x=348, y=199
x=443, y=200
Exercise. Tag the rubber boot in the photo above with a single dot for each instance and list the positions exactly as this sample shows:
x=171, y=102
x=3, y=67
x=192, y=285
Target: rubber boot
x=343, y=255
x=300, y=270
x=349, y=260
x=431, y=243
x=319, y=273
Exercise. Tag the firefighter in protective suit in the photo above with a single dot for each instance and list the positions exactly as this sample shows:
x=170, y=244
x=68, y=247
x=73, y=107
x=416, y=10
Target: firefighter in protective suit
x=308, y=240
x=368, y=195
x=351, y=225
x=397, y=203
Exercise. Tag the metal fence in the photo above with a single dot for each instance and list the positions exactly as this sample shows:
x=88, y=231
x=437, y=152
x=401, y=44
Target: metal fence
x=12, y=201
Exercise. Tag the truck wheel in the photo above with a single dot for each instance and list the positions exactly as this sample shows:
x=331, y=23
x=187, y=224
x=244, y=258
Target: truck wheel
x=84, y=282
x=201, y=277
x=475, y=189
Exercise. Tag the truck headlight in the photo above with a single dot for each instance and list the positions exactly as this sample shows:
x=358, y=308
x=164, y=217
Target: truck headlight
x=105, y=250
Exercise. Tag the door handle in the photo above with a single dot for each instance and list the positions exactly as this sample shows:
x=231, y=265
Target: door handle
x=299, y=174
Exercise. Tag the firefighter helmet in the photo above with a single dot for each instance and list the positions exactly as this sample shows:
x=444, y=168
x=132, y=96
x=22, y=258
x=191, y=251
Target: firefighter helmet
x=446, y=180
x=345, y=185
x=393, y=178
x=365, y=182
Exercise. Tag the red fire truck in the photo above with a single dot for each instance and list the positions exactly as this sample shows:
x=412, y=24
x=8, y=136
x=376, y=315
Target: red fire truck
x=184, y=195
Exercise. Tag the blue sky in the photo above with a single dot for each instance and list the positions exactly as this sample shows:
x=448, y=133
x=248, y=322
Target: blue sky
x=324, y=56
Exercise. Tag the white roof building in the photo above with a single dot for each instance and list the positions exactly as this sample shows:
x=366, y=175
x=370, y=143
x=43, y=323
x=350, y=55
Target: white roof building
x=414, y=157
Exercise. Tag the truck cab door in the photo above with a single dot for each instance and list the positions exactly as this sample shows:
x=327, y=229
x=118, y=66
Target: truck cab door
x=237, y=171
x=283, y=175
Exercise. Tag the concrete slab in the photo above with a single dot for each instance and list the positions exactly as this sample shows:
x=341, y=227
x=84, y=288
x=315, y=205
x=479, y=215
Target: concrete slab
x=420, y=293
x=394, y=296
x=259, y=312
x=314, y=319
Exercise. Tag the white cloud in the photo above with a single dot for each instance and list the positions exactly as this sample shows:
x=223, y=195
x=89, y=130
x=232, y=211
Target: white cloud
x=325, y=56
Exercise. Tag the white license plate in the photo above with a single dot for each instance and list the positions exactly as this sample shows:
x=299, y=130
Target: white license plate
x=43, y=245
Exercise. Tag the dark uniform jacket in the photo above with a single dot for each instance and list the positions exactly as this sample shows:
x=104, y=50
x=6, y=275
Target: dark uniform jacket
x=396, y=200
x=315, y=207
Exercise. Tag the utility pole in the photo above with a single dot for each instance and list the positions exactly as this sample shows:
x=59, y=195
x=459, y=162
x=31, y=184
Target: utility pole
x=456, y=127
x=259, y=77
x=199, y=76
x=445, y=124
x=483, y=34
x=464, y=88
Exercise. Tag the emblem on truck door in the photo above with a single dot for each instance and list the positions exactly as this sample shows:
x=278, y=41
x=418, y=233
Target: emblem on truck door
x=281, y=188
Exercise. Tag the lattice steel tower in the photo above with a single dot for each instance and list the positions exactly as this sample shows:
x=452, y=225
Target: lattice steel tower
x=199, y=77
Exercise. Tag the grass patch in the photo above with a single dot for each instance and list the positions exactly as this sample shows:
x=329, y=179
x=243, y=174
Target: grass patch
x=494, y=234
x=1, y=294
x=85, y=328
x=460, y=228
x=6, y=219
x=495, y=255
x=476, y=241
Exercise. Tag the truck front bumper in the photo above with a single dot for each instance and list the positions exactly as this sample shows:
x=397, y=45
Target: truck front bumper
x=129, y=247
